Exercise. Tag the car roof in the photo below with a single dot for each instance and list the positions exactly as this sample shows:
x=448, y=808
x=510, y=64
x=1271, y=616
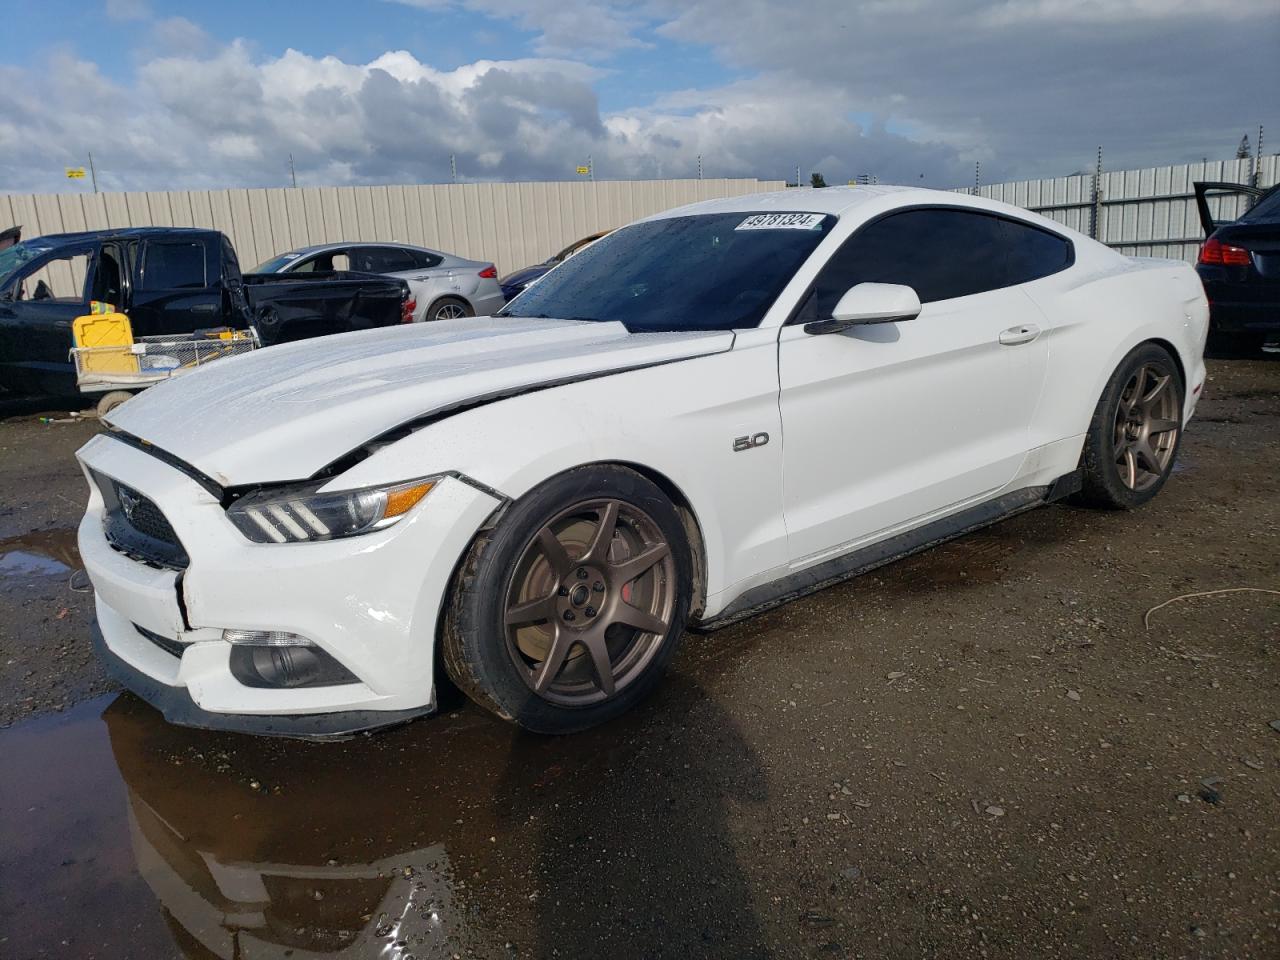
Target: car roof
x=118, y=233
x=880, y=198
x=322, y=247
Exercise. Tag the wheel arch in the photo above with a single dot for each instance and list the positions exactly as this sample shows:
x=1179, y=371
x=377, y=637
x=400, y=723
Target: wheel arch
x=450, y=295
x=1173, y=352
x=680, y=500
x=688, y=519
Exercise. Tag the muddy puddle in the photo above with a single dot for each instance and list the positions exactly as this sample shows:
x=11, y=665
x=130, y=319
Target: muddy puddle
x=38, y=555
x=124, y=836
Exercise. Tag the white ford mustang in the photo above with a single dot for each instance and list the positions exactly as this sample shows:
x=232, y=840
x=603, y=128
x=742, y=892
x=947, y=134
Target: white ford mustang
x=704, y=414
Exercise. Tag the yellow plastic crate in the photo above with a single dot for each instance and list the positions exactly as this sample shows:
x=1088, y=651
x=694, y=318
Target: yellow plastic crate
x=107, y=342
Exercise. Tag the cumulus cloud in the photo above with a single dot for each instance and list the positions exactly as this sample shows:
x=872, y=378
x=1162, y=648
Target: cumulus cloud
x=895, y=88
x=230, y=119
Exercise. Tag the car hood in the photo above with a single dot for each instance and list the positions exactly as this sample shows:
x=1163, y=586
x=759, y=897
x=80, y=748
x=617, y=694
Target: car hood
x=285, y=412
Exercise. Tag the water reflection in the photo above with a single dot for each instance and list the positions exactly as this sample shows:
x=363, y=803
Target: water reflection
x=447, y=837
x=42, y=553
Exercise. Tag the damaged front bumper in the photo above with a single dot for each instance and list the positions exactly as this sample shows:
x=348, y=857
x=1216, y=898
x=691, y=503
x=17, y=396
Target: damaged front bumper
x=369, y=604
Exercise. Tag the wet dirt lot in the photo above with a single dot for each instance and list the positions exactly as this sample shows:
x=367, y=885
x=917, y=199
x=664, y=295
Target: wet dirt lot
x=976, y=752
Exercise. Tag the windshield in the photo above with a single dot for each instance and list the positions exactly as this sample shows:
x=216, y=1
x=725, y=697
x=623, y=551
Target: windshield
x=716, y=271
x=276, y=264
x=12, y=259
x=1268, y=208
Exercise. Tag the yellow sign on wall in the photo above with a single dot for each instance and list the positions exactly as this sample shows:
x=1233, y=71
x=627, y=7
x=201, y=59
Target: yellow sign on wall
x=75, y=173
x=583, y=171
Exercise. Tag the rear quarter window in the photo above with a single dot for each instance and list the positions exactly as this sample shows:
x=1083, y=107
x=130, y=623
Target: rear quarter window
x=1034, y=253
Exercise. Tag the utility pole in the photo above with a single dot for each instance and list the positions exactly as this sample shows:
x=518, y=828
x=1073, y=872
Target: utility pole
x=453, y=168
x=93, y=174
x=699, y=166
x=591, y=169
x=797, y=175
x=977, y=176
x=293, y=173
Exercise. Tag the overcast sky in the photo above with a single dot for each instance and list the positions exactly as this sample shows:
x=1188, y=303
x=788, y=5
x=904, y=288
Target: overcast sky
x=175, y=94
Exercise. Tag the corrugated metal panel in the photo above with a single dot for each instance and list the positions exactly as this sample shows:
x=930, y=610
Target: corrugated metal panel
x=511, y=224
x=1149, y=212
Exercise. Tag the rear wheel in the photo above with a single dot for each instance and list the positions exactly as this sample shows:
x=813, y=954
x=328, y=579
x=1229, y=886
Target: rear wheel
x=1136, y=429
x=449, y=308
x=568, y=612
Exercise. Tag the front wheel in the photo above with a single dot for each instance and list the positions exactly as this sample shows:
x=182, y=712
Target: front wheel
x=568, y=612
x=1135, y=433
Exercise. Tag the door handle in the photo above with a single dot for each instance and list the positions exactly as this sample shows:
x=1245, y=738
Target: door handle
x=204, y=308
x=1023, y=333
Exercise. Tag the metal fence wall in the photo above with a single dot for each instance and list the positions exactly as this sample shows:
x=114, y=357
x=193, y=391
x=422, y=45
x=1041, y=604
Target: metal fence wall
x=1143, y=213
x=511, y=224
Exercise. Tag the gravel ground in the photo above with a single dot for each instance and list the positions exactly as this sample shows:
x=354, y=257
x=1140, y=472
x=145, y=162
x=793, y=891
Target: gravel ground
x=977, y=752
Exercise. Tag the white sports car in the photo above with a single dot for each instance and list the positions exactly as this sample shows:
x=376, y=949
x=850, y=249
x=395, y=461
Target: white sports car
x=702, y=415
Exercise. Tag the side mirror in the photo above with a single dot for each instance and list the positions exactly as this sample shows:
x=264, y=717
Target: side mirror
x=869, y=303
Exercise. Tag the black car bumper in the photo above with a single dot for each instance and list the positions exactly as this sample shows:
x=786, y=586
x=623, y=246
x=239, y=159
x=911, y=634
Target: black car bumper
x=1227, y=317
x=178, y=708
x=1241, y=306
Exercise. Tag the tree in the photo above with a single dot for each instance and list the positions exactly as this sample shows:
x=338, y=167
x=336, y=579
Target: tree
x=816, y=180
x=1243, y=152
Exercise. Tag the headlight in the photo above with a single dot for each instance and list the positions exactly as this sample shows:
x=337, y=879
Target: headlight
x=299, y=514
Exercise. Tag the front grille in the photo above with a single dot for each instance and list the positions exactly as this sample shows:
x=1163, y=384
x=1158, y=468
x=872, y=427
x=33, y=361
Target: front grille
x=172, y=647
x=136, y=527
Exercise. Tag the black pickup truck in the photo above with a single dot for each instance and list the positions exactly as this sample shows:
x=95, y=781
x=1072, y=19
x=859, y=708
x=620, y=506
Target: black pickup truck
x=168, y=280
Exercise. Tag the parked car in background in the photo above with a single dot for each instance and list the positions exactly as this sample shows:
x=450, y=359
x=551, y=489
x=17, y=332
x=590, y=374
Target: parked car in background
x=167, y=280
x=1239, y=264
x=444, y=286
x=707, y=413
x=515, y=282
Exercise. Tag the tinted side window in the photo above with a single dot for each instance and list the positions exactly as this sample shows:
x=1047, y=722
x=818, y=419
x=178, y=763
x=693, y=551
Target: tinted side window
x=1034, y=253
x=382, y=260
x=173, y=265
x=941, y=254
x=423, y=260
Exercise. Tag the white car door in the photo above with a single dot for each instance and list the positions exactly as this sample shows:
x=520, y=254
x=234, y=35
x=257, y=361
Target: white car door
x=887, y=425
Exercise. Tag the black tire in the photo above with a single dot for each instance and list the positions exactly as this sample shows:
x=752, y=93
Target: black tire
x=1102, y=481
x=479, y=653
x=448, y=305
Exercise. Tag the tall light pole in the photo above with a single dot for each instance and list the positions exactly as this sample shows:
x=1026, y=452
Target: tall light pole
x=293, y=173
x=93, y=174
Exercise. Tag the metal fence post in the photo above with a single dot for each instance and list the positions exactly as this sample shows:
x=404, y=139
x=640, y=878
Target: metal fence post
x=1095, y=220
x=1257, y=159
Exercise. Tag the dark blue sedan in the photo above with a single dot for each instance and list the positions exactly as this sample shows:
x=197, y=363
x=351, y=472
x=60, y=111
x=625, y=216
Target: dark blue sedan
x=515, y=282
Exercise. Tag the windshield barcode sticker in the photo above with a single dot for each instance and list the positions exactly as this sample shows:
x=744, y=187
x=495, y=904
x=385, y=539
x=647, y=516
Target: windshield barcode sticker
x=781, y=221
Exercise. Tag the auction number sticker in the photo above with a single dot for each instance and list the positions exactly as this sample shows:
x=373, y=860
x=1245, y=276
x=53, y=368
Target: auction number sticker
x=781, y=221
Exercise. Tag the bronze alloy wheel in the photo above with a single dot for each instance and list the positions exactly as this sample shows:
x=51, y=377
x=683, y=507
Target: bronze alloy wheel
x=590, y=602
x=1146, y=426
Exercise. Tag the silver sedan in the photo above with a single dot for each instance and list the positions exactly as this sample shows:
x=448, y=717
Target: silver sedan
x=444, y=286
